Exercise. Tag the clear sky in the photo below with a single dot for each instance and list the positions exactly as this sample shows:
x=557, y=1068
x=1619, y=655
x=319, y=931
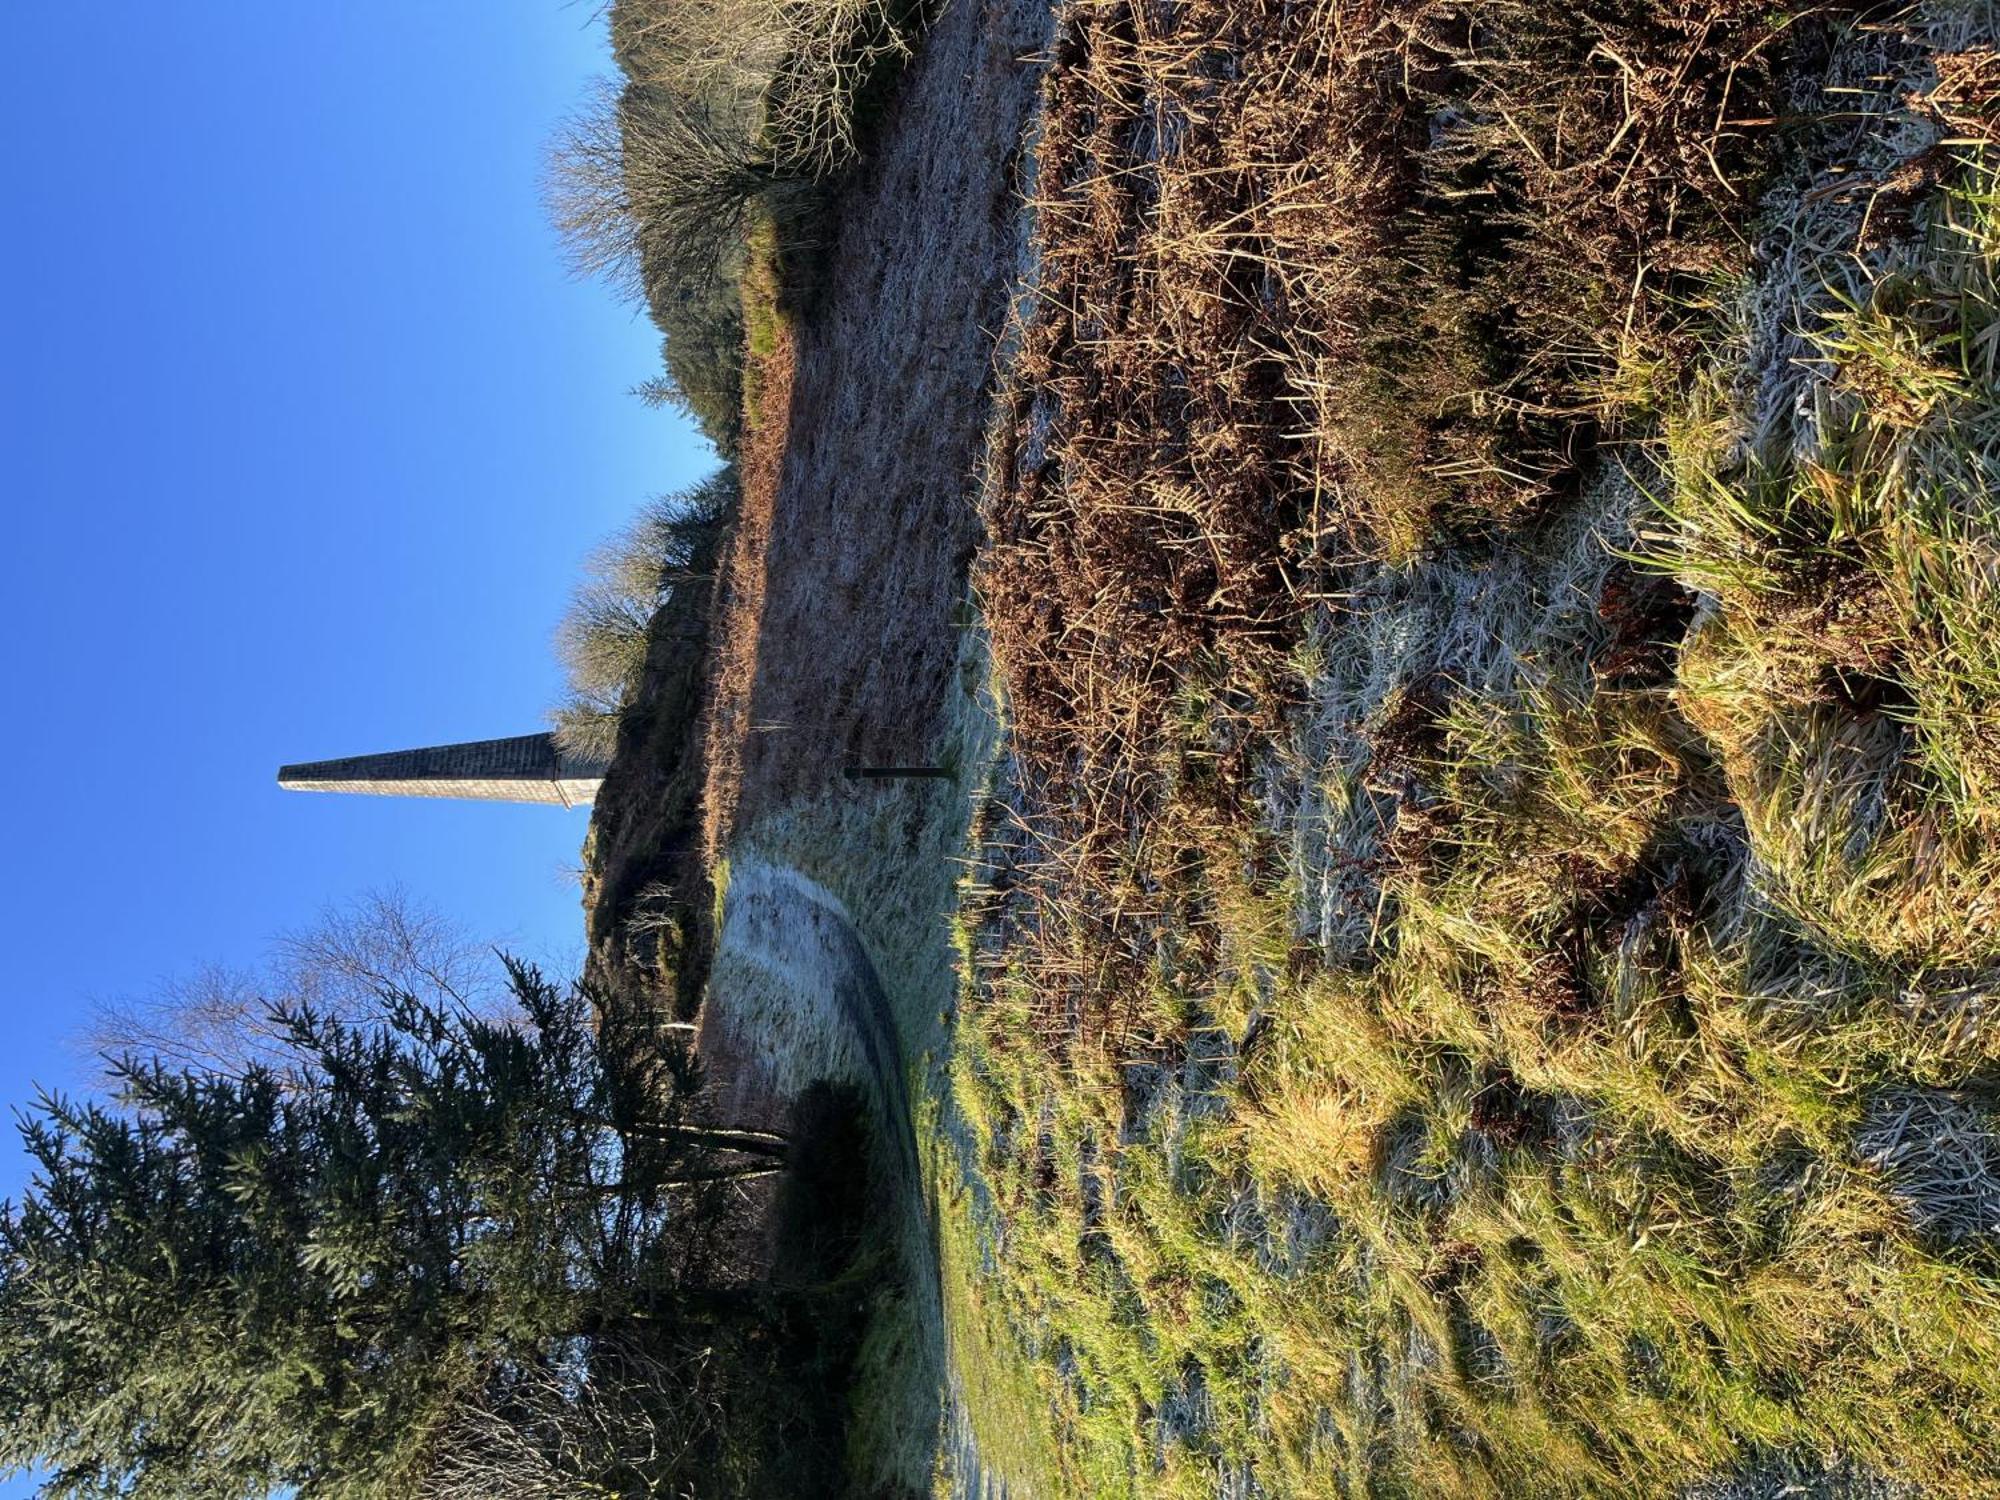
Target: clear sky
x=303, y=433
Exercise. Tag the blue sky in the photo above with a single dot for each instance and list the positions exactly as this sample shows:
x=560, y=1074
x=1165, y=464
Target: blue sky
x=303, y=433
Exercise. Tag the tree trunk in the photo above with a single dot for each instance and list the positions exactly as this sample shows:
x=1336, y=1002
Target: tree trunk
x=724, y=1137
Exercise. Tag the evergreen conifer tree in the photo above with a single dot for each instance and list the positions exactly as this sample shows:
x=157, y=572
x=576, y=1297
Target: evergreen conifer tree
x=229, y=1282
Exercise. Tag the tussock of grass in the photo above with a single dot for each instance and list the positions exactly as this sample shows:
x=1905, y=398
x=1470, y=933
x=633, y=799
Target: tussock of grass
x=1543, y=1047
x=1848, y=672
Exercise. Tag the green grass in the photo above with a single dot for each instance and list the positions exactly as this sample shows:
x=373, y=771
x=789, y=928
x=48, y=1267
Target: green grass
x=1569, y=1067
x=1000, y=1396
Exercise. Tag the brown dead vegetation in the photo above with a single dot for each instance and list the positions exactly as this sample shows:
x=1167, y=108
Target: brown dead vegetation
x=1412, y=359
x=1328, y=281
x=1321, y=285
x=740, y=599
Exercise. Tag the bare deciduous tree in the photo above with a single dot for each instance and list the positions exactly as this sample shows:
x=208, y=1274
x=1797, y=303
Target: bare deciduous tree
x=603, y=637
x=647, y=184
x=805, y=62
x=727, y=47
x=620, y=1422
x=828, y=51
x=219, y=1018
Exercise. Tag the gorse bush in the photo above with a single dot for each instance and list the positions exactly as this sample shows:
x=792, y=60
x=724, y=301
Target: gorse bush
x=802, y=65
x=604, y=636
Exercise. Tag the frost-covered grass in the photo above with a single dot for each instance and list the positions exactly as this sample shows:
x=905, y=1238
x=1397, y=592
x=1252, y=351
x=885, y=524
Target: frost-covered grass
x=822, y=901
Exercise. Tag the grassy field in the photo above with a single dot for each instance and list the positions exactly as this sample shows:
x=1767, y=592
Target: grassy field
x=1478, y=975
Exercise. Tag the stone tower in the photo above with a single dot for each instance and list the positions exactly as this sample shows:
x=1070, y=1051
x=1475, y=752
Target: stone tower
x=526, y=768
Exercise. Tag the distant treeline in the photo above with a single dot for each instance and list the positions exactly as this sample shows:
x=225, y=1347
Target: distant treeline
x=728, y=121
x=725, y=111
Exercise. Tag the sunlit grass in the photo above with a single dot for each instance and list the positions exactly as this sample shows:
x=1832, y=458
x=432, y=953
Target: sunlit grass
x=1565, y=1066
